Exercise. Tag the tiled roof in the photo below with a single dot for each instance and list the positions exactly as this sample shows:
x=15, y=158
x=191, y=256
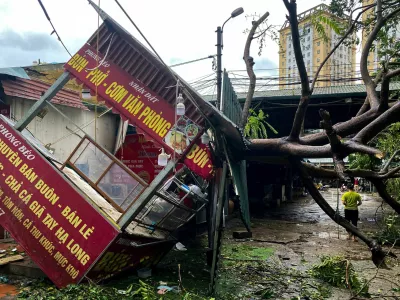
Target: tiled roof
x=33, y=89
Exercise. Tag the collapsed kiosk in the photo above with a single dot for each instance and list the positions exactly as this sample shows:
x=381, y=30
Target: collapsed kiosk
x=91, y=216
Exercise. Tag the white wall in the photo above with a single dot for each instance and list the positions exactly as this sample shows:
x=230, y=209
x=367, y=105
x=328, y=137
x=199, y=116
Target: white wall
x=53, y=126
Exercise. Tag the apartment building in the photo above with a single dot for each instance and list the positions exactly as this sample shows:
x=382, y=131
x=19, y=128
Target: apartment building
x=338, y=70
x=373, y=56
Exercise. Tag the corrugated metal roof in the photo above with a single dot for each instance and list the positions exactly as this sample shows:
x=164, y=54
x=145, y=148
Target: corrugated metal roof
x=33, y=89
x=321, y=91
x=134, y=58
x=16, y=72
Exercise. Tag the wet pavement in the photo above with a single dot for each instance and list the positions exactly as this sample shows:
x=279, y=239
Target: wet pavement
x=300, y=232
x=306, y=210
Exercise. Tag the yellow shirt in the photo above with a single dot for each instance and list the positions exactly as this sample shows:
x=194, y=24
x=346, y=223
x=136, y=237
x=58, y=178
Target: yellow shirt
x=351, y=200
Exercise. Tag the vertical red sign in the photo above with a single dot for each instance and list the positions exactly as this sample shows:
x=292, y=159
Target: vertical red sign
x=46, y=215
x=140, y=105
x=140, y=155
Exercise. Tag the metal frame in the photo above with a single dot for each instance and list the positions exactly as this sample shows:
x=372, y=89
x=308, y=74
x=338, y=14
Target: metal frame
x=42, y=102
x=114, y=161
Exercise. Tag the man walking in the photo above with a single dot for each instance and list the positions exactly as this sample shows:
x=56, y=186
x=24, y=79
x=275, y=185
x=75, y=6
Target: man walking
x=351, y=201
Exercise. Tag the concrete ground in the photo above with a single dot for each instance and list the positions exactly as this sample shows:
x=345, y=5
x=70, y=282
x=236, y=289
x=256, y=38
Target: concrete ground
x=299, y=231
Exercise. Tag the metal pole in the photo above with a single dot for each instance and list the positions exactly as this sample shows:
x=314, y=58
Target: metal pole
x=42, y=102
x=219, y=67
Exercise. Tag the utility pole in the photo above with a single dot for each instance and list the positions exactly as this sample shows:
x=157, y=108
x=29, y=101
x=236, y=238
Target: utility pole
x=219, y=66
x=220, y=45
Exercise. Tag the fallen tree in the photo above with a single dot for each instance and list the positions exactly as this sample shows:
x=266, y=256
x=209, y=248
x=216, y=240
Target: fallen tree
x=374, y=116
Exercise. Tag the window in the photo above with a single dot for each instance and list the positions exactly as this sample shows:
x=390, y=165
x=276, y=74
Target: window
x=308, y=38
x=317, y=59
x=290, y=45
x=341, y=55
x=290, y=52
x=308, y=62
x=308, y=54
x=318, y=43
x=318, y=51
x=283, y=63
x=290, y=60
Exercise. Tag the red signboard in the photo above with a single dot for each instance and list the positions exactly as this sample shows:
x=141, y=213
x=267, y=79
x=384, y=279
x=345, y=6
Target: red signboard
x=46, y=215
x=128, y=252
x=137, y=103
x=139, y=155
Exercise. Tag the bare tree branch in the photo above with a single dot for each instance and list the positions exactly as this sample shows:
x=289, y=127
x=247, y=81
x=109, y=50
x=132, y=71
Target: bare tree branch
x=249, y=67
x=364, y=108
x=386, y=166
x=286, y=147
x=393, y=73
x=366, y=77
x=390, y=116
x=368, y=174
x=381, y=188
x=305, y=85
x=336, y=145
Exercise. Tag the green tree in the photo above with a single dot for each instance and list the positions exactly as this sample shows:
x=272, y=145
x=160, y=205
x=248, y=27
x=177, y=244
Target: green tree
x=256, y=126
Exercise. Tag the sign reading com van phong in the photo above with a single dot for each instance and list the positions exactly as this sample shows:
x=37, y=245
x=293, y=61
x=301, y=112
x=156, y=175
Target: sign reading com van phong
x=141, y=106
x=46, y=215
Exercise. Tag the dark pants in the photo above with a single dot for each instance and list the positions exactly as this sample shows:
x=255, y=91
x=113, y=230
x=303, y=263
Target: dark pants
x=351, y=216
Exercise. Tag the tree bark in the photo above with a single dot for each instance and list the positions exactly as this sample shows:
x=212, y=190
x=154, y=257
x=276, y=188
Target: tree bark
x=305, y=84
x=390, y=116
x=249, y=67
x=381, y=188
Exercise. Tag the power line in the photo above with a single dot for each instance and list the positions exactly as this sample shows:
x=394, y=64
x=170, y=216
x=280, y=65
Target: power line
x=54, y=29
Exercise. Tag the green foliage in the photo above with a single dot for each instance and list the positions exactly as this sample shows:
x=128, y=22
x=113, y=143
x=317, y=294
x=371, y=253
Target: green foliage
x=388, y=141
x=321, y=22
x=256, y=126
x=245, y=252
x=335, y=269
x=142, y=291
x=391, y=230
x=364, y=161
x=341, y=7
x=73, y=292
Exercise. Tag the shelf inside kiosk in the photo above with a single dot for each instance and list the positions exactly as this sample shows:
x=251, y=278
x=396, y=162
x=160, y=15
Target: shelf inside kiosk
x=113, y=187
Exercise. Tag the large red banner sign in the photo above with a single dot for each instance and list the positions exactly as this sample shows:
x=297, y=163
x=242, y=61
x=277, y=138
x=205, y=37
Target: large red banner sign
x=54, y=223
x=141, y=106
x=128, y=252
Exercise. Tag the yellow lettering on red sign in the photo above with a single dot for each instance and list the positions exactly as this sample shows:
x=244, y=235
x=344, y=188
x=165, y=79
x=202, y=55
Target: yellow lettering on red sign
x=198, y=155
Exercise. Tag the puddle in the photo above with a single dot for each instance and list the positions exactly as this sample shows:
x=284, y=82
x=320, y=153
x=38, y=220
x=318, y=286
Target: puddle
x=324, y=235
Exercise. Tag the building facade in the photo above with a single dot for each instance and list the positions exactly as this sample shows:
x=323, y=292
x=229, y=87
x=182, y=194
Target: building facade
x=338, y=70
x=373, y=55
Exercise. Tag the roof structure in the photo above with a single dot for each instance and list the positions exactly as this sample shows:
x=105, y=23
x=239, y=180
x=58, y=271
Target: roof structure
x=133, y=57
x=343, y=90
x=15, y=72
x=305, y=14
x=33, y=89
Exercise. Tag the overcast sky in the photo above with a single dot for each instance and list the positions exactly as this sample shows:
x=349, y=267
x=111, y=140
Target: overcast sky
x=179, y=30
